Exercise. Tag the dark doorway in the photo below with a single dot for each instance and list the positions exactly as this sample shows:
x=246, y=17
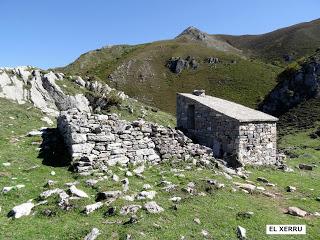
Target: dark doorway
x=191, y=117
x=53, y=150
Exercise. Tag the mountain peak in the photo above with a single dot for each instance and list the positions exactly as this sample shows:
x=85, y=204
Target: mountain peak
x=193, y=33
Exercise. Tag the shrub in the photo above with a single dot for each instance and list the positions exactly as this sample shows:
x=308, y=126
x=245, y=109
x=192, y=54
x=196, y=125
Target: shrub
x=100, y=101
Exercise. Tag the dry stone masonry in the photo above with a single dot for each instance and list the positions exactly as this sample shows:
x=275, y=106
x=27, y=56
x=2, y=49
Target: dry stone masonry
x=98, y=141
x=233, y=131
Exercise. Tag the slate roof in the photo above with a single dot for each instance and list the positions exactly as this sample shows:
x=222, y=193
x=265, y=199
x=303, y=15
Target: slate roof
x=231, y=109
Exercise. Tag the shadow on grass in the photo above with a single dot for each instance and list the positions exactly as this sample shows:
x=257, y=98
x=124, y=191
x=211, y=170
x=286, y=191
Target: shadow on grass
x=53, y=151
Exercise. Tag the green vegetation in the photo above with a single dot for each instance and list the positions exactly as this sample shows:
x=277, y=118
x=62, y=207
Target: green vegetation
x=69, y=87
x=131, y=110
x=217, y=210
x=141, y=73
x=297, y=41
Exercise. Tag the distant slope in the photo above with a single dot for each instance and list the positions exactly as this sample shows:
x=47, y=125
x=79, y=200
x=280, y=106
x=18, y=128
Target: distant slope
x=297, y=41
x=141, y=72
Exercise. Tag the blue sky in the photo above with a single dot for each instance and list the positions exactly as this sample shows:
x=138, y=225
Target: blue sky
x=51, y=33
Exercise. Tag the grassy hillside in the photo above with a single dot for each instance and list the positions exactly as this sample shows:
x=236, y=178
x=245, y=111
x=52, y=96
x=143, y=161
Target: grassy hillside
x=217, y=211
x=298, y=40
x=300, y=118
x=141, y=73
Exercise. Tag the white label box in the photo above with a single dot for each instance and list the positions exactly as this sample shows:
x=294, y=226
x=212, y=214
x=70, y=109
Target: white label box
x=286, y=229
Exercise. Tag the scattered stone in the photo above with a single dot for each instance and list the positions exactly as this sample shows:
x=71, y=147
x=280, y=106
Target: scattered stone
x=146, y=186
x=190, y=188
x=146, y=195
x=129, y=174
x=259, y=188
x=125, y=184
x=48, y=213
x=295, y=211
x=92, y=207
x=205, y=233
x=91, y=182
x=175, y=199
x=128, y=198
x=77, y=192
x=157, y=226
x=93, y=234
x=318, y=199
x=270, y=184
x=269, y=194
x=241, y=233
x=6, y=164
x=108, y=195
x=133, y=219
x=115, y=178
x=34, y=133
x=21, y=210
x=316, y=214
x=111, y=211
x=291, y=189
x=69, y=184
x=227, y=176
x=6, y=189
x=52, y=173
x=286, y=168
x=129, y=209
x=197, y=221
x=246, y=186
x=153, y=207
x=139, y=170
x=19, y=186
x=64, y=201
x=50, y=183
x=244, y=215
x=215, y=183
x=262, y=179
x=305, y=166
x=170, y=187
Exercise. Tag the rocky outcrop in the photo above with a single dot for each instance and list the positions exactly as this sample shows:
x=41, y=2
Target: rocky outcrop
x=177, y=65
x=194, y=34
x=26, y=84
x=98, y=141
x=297, y=84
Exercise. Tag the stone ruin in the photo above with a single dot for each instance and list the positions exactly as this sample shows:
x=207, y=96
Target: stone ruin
x=98, y=141
x=234, y=132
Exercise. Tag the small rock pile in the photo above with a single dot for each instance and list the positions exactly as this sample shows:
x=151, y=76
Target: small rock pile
x=98, y=141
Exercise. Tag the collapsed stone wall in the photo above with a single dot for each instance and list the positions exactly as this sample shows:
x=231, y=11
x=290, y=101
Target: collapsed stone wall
x=258, y=143
x=98, y=141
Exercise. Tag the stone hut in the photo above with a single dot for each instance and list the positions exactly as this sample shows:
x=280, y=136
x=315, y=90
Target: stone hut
x=233, y=131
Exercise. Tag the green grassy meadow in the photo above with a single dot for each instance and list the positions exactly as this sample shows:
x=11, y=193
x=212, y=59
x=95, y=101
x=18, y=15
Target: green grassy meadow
x=217, y=210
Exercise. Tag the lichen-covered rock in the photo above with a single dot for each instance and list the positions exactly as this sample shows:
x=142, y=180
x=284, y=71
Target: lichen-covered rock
x=21, y=210
x=153, y=207
x=93, y=234
x=77, y=192
x=295, y=211
x=92, y=207
x=129, y=209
